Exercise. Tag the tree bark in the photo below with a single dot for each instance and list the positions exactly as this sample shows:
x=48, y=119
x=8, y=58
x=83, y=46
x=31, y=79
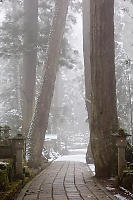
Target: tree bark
x=86, y=51
x=40, y=119
x=29, y=61
x=104, y=119
x=87, y=68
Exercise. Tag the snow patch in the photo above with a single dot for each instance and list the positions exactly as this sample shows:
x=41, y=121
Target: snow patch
x=118, y=196
x=127, y=192
x=74, y=158
x=92, y=167
x=3, y=163
x=78, y=150
x=110, y=188
x=111, y=179
x=51, y=137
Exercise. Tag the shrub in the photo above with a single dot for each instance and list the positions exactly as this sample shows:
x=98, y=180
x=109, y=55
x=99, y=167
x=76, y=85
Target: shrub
x=26, y=171
x=4, y=182
x=10, y=172
x=127, y=179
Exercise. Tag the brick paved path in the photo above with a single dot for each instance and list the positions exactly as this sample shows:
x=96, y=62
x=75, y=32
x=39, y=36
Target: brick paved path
x=65, y=181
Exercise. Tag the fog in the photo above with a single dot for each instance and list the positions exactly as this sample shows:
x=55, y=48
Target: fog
x=68, y=118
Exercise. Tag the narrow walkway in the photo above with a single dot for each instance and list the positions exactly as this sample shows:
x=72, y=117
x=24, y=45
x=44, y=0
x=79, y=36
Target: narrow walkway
x=65, y=181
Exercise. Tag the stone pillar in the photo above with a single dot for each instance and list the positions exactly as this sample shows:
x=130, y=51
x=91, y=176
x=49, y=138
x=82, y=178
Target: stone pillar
x=18, y=145
x=121, y=144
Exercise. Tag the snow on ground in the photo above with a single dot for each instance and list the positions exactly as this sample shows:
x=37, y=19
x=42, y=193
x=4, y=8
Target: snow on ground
x=78, y=150
x=50, y=137
x=92, y=167
x=3, y=163
x=111, y=179
x=78, y=155
x=78, y=158
x=110, y=188
x=118, y=196
x=126, y=192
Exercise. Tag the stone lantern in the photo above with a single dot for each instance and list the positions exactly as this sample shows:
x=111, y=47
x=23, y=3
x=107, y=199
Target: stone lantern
x=18, y=146
x=121, y=142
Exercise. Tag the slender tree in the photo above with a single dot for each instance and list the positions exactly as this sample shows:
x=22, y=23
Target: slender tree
x=29, y=60
x=40, y=118
x=104, y=119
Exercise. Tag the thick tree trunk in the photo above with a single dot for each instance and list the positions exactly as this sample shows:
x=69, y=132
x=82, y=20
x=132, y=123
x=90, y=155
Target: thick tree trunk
x=103, y=97
x=87, y=67
x=29, y=61
x=15, y=62
x=40, y=119
x=86, y=51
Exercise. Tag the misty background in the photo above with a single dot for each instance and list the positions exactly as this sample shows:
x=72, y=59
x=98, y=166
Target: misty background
x=68, y=116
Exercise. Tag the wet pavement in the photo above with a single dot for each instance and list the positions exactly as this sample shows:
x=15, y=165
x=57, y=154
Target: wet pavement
x=65, y=180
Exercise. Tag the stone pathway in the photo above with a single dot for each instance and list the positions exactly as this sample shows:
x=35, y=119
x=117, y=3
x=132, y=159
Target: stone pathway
x=65, y=181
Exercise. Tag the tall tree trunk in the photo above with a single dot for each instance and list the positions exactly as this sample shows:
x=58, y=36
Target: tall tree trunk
x=15, y=61
x=14, y=6
x=130, y=100
x=40, y=119
x=87, y=67
x=103, y=97
x=29, y=61
x=86, y=51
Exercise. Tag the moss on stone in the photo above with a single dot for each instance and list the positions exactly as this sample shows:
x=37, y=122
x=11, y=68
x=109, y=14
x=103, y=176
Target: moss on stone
x=127, y=179
x=4, y=182
x=16, y=186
